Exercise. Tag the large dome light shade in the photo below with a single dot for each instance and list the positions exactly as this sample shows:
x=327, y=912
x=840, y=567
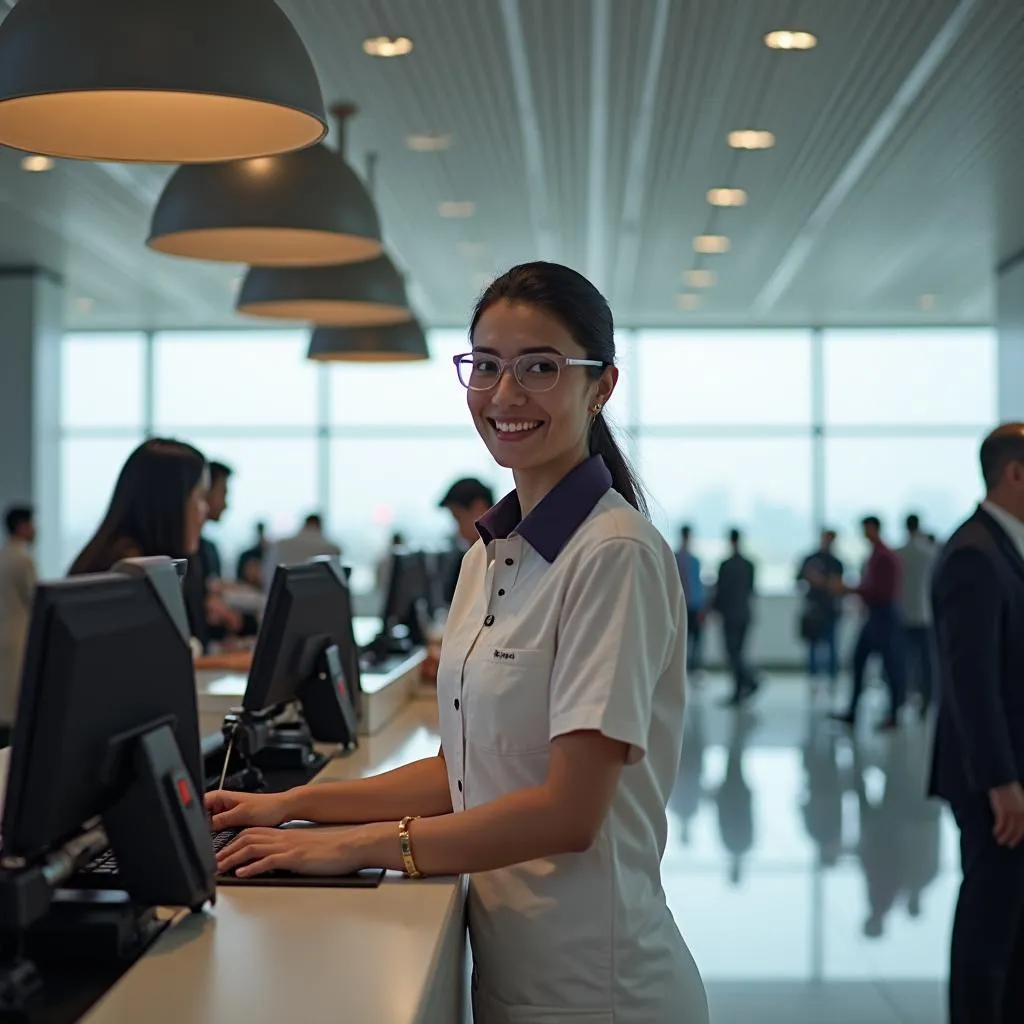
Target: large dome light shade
x=156, y=81
x=400, y=343
x=298, y=209
x=369, y=294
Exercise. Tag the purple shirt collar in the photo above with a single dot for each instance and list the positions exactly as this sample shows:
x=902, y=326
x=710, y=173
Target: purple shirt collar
x=559, y=515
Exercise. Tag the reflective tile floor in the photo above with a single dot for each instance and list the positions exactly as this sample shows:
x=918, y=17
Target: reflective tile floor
x=811, y=879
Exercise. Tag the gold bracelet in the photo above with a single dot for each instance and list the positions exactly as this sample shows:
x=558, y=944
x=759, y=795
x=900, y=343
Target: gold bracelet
x=406, y=846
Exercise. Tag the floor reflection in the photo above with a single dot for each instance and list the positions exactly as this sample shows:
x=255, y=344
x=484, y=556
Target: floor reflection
x=809, y=874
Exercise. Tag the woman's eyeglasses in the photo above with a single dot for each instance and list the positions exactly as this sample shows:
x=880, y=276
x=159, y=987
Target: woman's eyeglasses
x=535, y=372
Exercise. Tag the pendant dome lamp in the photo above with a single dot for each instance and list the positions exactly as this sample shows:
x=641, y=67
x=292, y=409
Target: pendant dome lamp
x=400, y=343
x=304, y=208
x=156, y=81
x=368, y=294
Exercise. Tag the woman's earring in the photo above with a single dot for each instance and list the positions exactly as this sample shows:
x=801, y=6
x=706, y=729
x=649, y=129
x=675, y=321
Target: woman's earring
x=596, y=408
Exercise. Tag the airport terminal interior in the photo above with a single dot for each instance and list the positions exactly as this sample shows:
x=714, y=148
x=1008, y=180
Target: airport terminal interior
x=260, y=229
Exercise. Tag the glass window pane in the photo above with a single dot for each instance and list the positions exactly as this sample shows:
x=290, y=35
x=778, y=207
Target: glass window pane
x=274, y=480
x=102, y=380
x=760, y=485
x=233, y=379
x=937, y=477
x=89, y=470
x=881, y=377
x=403, y=394
x=383, y=484
x=725, y=377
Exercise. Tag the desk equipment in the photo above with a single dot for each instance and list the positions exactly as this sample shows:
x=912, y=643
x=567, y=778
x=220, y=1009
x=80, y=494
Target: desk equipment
x=105, y=755
x=306, y=656
x=407, y=611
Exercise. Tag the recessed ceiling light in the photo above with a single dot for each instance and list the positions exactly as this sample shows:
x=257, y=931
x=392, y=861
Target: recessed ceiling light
x=387, y=46
x=83, y=304
x=456, y=209
x=928, y=302
x=711, y=244
x=727, y=197
x=749, y=138
x=36, y=164
x=424, y=142
x=700, y=278
x=790, y=41
x=688, y=301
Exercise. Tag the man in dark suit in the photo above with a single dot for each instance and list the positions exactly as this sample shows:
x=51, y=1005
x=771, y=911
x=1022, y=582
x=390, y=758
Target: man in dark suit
x=978, y=762
x=733, y=600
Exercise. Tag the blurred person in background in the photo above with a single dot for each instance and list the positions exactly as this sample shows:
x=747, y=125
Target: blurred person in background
x=917, y=559
x=222, y=620
x=822, y=608
x=308, y=543
x=696, y=601
x=882, y=632
x=17, y=587
x=978, y=756
x=250, y=561
x=466, y=500
x=734, y=601
x=158, y=508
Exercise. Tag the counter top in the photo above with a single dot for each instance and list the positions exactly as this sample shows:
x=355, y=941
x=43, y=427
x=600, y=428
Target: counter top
x=391, y=955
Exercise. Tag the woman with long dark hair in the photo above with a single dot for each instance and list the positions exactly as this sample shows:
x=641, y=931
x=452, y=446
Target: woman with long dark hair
x=561, y=690
x=158, y=507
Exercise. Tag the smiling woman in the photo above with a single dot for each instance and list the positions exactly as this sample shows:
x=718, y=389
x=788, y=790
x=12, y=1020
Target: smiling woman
x=561, y=693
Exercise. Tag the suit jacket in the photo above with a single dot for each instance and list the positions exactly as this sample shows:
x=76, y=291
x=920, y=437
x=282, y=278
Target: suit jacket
x=734, y=590
x=978, y=608
x=17, y=586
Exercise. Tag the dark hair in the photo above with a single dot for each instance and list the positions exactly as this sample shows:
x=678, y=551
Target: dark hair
x=913, y=523
x=1004, y=445
x=16, y=517
x=686, y=530
x=583, y=310
x=735, y=536
x=872, y=521
x=218, y=472
x=465, y=493
x=147, y=511
x=315, y=519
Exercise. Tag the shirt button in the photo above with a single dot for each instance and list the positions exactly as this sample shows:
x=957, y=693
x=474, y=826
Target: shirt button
x=456, y=703
x=509, y=561
x=460, y=785
x=489, y=621
x=501, y=593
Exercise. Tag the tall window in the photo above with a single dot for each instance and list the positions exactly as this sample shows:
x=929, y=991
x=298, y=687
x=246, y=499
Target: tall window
x=775, y=432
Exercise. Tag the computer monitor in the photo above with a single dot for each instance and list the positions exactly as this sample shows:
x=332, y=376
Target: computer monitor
x=408, y=601
x=308, y=615
x=106, y=666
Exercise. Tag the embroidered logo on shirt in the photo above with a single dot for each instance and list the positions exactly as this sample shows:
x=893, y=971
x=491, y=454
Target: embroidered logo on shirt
x=504, y=655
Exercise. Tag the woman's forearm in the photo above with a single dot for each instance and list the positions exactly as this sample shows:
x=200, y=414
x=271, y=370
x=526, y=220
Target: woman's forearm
x=420, y=788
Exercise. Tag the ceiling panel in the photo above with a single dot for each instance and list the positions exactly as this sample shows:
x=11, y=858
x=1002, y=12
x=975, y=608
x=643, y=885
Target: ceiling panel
x=589, y=131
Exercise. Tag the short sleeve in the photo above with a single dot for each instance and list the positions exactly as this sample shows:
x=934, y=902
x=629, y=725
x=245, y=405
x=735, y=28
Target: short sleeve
x=619, y=620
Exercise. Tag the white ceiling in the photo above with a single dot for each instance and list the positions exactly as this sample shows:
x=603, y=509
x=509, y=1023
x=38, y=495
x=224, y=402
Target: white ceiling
x=589, y=131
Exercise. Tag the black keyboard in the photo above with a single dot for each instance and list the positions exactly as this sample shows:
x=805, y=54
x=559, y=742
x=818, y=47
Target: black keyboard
x=101, y=872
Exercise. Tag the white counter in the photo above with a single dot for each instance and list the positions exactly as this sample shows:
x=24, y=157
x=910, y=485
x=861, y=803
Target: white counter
x=392, y=955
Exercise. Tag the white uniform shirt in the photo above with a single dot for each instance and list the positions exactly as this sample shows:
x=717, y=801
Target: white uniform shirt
x=917, y=560
x=572, y=619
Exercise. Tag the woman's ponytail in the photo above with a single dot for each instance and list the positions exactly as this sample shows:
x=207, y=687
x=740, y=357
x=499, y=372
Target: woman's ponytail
x=624, y=477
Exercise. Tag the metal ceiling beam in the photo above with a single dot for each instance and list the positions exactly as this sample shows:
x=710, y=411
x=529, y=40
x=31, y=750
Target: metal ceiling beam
x=640, y=156
x=597, y=165
x=800, y=249
x=529, y=124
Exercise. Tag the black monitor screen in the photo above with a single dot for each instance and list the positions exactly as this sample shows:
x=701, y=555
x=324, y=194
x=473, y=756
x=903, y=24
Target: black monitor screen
x=105, y=658
x=308, y=609
x=408, y=598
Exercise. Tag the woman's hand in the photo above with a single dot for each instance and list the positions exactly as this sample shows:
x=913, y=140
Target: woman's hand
x=306, y=851
x=239, y=810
